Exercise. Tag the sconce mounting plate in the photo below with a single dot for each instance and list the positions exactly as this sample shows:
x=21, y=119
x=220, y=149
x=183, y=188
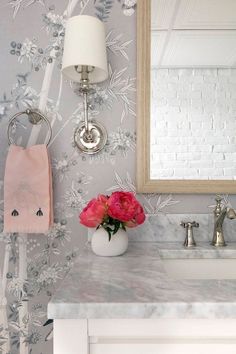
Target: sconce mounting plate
x=92, y=141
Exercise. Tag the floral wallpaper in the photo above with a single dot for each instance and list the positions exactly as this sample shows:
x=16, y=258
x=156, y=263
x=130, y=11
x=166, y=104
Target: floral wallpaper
x=31, y=37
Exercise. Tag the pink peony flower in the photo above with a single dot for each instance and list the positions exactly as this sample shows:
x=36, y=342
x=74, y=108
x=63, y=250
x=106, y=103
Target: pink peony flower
x=138, y=218
x=123, y=206
x=95, y=211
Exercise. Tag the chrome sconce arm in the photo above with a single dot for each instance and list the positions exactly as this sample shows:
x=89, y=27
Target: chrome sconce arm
x=90, y=136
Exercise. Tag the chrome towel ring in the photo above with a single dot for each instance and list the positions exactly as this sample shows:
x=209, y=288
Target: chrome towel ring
x=35, y=118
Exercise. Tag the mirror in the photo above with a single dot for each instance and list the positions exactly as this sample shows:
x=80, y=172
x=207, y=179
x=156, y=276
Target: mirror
x=186, y=132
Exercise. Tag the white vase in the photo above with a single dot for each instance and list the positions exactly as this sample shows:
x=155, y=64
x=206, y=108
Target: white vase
x=101, y=245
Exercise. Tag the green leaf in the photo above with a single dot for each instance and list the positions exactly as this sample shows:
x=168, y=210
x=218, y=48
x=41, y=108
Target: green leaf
x=117, y=227
x=109, y=231
x=123, y=227
x=109, y=235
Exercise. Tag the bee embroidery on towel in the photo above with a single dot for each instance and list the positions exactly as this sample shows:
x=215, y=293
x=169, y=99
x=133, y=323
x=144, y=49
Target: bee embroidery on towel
x=15, y=213
x=39, y=212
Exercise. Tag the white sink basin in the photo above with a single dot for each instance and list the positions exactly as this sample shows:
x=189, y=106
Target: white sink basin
x=200, y=268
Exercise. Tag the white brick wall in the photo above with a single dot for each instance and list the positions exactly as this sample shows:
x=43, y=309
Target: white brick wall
x=193, y=124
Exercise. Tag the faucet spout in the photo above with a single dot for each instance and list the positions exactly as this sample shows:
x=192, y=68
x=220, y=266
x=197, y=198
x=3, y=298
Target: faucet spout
x=218, y=235
x=219, y=217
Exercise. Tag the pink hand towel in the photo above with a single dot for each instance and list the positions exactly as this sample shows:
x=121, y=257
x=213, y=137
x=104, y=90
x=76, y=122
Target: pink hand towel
x=28, y=190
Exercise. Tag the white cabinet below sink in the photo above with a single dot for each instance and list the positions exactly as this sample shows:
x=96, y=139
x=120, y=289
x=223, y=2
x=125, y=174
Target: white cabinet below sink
x=144, y=336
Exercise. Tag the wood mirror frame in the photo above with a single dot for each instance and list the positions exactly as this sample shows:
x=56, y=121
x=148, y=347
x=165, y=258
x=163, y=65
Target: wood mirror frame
x=143, y=181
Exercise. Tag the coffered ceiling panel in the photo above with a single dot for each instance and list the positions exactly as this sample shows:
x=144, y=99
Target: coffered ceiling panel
x=193, y=14
x=162, y=13
x=196, y=33
x=200, y=49
x=205, y=14
x=157, y=47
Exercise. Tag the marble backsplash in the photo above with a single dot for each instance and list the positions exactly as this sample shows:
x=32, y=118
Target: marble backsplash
x=166, y=228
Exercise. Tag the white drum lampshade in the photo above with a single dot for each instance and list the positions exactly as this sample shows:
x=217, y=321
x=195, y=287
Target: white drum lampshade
x=85, y=44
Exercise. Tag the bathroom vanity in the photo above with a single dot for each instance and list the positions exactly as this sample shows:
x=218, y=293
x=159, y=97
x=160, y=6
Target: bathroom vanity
x=157, y=298
x=161, y=297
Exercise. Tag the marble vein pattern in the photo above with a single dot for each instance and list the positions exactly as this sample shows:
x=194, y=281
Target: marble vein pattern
x=166, y=228
x=135, y=285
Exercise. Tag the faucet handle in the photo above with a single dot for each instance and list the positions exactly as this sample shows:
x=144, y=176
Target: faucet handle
x=218, y=207
x=231, y=214
x=189, y=239
x=218, y=199
x=189, y=224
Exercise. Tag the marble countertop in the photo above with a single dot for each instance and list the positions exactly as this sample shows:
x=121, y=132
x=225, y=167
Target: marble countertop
x=135, y=285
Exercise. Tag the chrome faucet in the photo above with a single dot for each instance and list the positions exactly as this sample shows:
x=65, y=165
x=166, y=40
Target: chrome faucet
x=220, y=213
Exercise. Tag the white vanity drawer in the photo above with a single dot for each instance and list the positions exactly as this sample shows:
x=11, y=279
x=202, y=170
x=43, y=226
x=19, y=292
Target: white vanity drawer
x=144, y=336
x=163, y=348
x=162, y=336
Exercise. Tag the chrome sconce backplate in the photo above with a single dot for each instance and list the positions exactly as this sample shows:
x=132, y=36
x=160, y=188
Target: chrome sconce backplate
x=91, y=141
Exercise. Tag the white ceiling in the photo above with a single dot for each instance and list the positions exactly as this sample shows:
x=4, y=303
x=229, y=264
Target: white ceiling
x=194, y=33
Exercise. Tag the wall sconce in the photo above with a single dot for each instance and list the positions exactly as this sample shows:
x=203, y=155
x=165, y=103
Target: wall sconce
x=85, y=61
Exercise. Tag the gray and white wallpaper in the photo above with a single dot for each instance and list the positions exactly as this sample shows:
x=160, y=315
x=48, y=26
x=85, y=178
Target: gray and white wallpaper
x=31, y=42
